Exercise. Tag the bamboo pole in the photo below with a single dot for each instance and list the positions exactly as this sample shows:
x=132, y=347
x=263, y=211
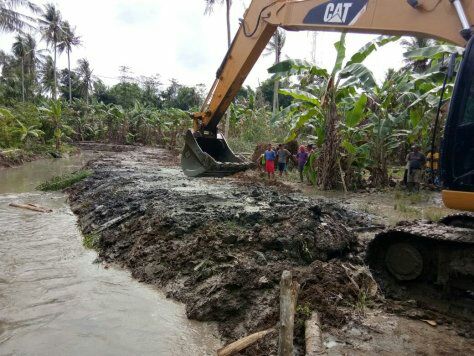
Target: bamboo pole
x=288, y=296
x=243, y=343
x=313, y=336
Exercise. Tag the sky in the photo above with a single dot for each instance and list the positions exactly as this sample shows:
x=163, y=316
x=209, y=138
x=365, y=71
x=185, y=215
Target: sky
x=175, y=39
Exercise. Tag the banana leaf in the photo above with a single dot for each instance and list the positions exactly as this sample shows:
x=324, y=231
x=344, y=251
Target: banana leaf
x=370, y=47
x=432, y=52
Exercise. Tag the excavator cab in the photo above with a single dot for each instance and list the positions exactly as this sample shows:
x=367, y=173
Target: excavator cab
x=457, y=152
x=209, y=155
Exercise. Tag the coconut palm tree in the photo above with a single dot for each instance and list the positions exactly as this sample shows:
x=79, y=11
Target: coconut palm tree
x=275, y=46
x=13, y=21
x=228, y=3
x=48, y=75
x=19, y=50
x=68, y=40
x=51, y=31
x=85, y=77
x=25, y=49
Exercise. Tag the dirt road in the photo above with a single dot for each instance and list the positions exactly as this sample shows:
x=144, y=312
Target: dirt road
x=220, y=245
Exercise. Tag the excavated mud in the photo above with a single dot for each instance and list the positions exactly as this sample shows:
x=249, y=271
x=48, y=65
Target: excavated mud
x=220, y=245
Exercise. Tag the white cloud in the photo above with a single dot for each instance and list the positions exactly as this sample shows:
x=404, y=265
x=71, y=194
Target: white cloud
x=176, y=40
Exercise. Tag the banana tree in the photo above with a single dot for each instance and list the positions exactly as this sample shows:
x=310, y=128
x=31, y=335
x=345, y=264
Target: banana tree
x=27, y=133
x=322, y=98
x=6, y=120
x=53, y=114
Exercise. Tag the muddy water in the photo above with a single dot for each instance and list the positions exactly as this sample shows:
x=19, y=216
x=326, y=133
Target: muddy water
x=55, y=301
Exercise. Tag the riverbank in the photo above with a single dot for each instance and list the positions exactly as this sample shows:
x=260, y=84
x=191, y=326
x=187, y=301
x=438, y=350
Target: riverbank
x=220, y=245
x=55, y=300
x=15, y=157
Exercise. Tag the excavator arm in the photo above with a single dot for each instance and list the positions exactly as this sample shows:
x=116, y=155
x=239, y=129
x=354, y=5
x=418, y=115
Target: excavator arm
x=206, y=152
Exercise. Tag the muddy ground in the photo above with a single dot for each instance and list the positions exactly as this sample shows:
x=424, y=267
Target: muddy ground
x=220, y=246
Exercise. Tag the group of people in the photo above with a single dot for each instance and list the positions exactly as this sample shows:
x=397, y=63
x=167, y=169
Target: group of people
x=416, y=164
x=279, y=157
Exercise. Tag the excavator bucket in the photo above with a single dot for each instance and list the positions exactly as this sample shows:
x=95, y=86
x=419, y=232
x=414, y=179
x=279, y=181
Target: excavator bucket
x=210, y=157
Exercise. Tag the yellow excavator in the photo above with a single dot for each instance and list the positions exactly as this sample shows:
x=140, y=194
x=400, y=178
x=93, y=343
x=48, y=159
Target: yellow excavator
x=425, y=259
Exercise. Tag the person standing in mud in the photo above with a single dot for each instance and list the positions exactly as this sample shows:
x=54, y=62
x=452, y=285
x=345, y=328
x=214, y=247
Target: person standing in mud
x=415, y=162
x=301, y=158
x=270, y=158
x=283, y=155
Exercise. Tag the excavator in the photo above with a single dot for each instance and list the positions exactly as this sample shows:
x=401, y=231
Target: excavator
x=418, y=260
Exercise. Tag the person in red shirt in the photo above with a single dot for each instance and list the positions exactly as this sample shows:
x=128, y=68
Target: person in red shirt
x=270, y=157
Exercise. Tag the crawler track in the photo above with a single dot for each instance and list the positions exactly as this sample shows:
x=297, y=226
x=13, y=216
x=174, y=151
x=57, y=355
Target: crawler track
x=432, y=263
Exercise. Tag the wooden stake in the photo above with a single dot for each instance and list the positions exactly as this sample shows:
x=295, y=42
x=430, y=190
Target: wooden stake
x=343, y=178
x=313, y=336
x=288, y=296
x=243, y=343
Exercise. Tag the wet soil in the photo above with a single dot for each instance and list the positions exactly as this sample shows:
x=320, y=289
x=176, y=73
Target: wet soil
x=220, y=246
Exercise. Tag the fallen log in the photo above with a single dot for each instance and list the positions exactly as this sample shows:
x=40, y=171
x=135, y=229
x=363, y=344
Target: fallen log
x=243, y=343
x=32, y=207
x=288, y=296
x=313, y=336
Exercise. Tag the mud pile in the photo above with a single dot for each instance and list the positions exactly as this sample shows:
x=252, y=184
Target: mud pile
x=220, y=246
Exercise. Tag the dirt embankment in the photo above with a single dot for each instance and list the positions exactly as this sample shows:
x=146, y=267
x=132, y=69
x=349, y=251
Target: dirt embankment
x=15, y=157
x=220, y=245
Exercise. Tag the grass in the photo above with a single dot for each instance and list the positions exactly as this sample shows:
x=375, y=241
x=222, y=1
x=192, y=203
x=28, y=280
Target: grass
x=403, y=208
x=64, y=181
x=434, y=214
x=362, y=303
x=91, y=241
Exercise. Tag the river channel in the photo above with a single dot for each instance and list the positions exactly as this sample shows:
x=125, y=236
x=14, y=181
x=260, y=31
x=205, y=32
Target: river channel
x=54, y=300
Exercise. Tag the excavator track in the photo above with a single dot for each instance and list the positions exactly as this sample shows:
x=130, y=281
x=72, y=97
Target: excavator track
x=432, y=263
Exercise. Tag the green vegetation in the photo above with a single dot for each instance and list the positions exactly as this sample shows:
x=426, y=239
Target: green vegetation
x=64, y=181
x=361, y=128
x=91, y=241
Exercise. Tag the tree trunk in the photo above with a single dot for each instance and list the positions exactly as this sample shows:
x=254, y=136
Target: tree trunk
x=69, y=75
x=22, y=80
x=327, y=164
x=275, y=97
x=276, y=84
x=243, y=343
x=55, y=88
